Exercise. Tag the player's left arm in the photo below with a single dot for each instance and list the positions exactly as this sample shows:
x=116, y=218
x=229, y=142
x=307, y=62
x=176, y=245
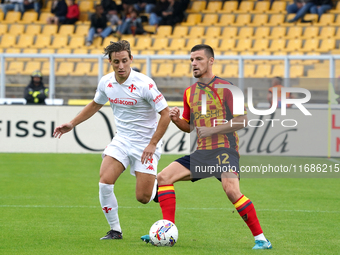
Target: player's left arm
x=157, y=136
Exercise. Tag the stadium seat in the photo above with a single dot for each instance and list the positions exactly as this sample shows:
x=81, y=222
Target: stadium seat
x=228, y=61
x=336, y=10
x=278, y=70
x=12, y=17
x=180, y=31
x=154, y=68
x=25, y=41
x=276, y=20
x=91, y=52
x=45, y=51
x=261, y=32
x=86, y=6
x=82, y=69
x=226, y=44
x=328, y=32
x=261, y=7
x=249, y=70
x=62, y=51
x=33, y=29
x=76, y=42
x=245, y=7
x=326, y=45
x=263, y=71
x=293, y=45
x=229, y=32
x=45, y=67
x=83, y=19
x=208, y=20
x=49, y=30
x=177, y=44
x=59, y=41
x=229, y=7
x=196, y=32
x=130, y=39
x=196, y=7
x=65, y=68
x=217, y=69
x=192, y=19
x=163, y=31
x=247, y=53
x=13, y=51
x=277, y=45
x=164, y=70
x=15, y=67
x=277, y=33
x=242, y=19
x=31, y=67
x=260, y=45
x=66, y=30
x=7, y=41
x=243, y=45
x=212, y=42
x=80, y=51
x=230, y=71
x=226, y=20
x=42, y=41
x=310, y=45
x=94, y=70
x=180, y=52
x=213, y=32
x=182, y=70
x=192, y=42
x=3, y=28
x=296, y=71
x=278, y=7
x=28, y=51
x=29, y=18
x=326, y=19
x=143, y=43
x=245, y=32
x=47, y=6
x=82, y=30
x=261, y=61
x=294, y=32
x=310, y=32
x=259, y=20
x=108, y=40
x=16, y=29
x=213, y=6
x=43, y=17
x=160, y=43
x=1, y=16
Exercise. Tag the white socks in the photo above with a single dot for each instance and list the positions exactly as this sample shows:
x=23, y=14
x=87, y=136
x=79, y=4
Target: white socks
x=260, y=237
x=154, y=191
x=109, y=205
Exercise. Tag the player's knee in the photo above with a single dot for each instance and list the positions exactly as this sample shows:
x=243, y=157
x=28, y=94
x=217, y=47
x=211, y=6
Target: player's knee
x=144, y=199
x=232, y=193
x=162, y=179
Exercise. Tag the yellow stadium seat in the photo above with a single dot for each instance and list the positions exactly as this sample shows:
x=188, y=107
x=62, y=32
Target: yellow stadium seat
x=247, y=53
x=276, y=20
x=86, y=6
x=213, y=32
x=326, y=45
x=261, y=7
x=29, y=18
x=182, y=70
x=42, y=41
x=160, y=43
x=213, y=6
x=12, y=17
x=260, y=45
x=243, y=45
x=293, y=45
x=296, y=71
x=82, y=69
x=263, y=71
x=242, y=19
x=47, y=7
x=278, y=53
x=229, y=32
x=176, y=44
x=76, y=42
x=65, y=68
x=226, y=44
x=192, y=19
x=94, y=70
x=278, y=7
x=192, y=42
x=217, y=69
x=165, y=52
x=183, y=53
x=150, y=28
x=277, y=33
x=80, y=51
x=59, y=41
x=261, y=32
x=49, y=30
x=84, y=18
x=328, y=32
x=336, y=10
x=261, y=53
x=180, y=31
x=8, y=41
x=25, y=41
x=31, y=67
x=45, y=51
x=66, y=30
x=148, y=52
x=228, y=53
x=229, y=7
x=82, y=30
x=212, y=42
x=164, y=70
x=309, y=17
x=259, y=20
x=33, y=29
x=43, y=17
x=278, y=70
x=249, y=70
x=15, y=67
x=245, y=32
x=1, y=16
x=226, y=20
x=45, y=67
x=296, y=61
x=154, y=67
x=12, y=51
x=326, y=19
x=163, y=31
x=310, y=45
x=310, y=32
x=277, y=45
x=230, y=71
x=294, y=32
x=208, y=20
x=196, y=32
x=3, y=29
x=63, y=51
x=143, y=43
x=245, y=7
x=108, y=40
x=16, y=29
x=91, y=52
x=196, y=6
x=28, y=51
x=130, y=39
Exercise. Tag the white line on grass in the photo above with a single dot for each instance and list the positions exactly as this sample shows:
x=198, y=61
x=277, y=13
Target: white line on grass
x=146, y=207
x=334, y=160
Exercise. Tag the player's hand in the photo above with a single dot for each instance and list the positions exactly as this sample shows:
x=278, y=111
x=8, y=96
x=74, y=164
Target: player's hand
x=62, y=129
x=148, y=153
x=174, y=114
x=203, y=132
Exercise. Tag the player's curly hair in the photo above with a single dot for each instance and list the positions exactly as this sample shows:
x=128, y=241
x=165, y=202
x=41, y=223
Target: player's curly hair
x=117, y=47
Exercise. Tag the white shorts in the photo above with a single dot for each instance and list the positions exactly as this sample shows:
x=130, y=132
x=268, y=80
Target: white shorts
x=129, y=153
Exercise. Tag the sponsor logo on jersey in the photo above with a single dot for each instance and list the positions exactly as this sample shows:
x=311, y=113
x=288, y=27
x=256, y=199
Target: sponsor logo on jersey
x=150, y=86
x=150, y=167
x=158, y=98
x=109, y=85
x=132, y=87
x=123, y=101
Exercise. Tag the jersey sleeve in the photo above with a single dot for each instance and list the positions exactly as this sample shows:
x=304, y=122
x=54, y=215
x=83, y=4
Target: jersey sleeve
x=100, y=96
x=186, y=105
x=154, y=97
x=228, y=97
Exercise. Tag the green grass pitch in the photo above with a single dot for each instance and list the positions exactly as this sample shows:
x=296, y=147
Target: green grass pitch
x=49, y=205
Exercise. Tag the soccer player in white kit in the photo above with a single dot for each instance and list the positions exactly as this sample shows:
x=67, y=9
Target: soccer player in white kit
x=135, y=101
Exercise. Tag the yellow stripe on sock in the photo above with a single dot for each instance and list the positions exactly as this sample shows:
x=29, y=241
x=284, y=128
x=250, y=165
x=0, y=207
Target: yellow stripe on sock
x=241, y=201
x=166, y=188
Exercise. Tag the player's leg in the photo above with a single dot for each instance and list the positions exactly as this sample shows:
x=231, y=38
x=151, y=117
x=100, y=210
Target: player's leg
x=110, y=170
x=145, y=184
x=245, y=208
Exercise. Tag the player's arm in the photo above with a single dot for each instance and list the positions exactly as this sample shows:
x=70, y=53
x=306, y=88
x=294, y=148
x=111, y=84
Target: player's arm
x=88, y=111
x=182, y=124
x=231, y=126
x=163, y=124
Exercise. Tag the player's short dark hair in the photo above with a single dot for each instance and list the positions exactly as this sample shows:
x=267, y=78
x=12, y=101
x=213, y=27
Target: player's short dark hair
x=117, y=47
x=209, y=52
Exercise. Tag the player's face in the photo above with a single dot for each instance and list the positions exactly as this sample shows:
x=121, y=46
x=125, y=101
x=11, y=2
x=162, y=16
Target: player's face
x=120, y=62
x=201, y=64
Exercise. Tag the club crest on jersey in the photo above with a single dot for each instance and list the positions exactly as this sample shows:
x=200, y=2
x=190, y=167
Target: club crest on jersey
x=132, y=87
x=150, y=86
x=123, y=101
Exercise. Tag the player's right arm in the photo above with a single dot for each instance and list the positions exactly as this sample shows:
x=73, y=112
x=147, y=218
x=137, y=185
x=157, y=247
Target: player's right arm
x=88, y=111
x=182, y=124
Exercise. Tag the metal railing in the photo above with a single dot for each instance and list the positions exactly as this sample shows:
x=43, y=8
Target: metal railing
x=149, y=58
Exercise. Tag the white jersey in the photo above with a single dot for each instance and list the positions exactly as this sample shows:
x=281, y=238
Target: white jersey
x=135, y=104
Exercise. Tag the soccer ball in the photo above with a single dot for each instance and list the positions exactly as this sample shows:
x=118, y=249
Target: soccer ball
x=163, y=233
